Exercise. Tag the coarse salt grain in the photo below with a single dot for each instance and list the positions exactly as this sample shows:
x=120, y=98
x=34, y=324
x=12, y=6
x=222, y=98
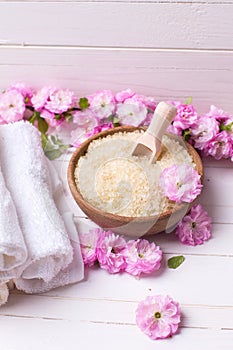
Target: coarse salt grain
x=113, y=180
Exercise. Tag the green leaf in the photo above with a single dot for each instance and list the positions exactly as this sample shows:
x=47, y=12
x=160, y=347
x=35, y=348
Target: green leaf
x=53, y=146
x=175, y=261
x=58, y=116
x=44, y=140
x=68, y=117
x=189, y=100
x=110, y=118
x=83, y=103
x=53, y=154
x=53, y=139
x=186, y=134
x=34, y=117
x=26, y=100
x=116, y=121
x=42, y=125
x=227, y=127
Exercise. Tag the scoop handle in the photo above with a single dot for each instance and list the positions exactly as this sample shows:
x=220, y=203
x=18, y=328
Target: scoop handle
x=162, y=118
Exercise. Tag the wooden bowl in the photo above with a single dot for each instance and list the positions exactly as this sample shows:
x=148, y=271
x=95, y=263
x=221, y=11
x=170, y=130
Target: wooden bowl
x=130, y=226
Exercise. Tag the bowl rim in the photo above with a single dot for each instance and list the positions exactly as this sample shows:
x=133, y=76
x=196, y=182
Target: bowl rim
x=81, y=150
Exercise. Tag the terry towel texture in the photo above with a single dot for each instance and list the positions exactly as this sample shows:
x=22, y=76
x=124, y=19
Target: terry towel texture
x=27, y=178
x=13, y=251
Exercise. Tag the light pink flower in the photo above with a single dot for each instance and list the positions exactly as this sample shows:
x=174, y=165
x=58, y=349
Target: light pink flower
x=53, y=100
x=158, y=316
x=218, y=114
x=194, y=228
x=51, y=119
x=100, y=128
x=142, y=256
x=109, y=252
x=40, y=98
x=148, y=102
x=102, y=103
x=185, y=118
x=88, y=243
x=131, y=112
x=221, y=146
x=131, y=97
x=12, y=106
x=180, y=183
x=204, y=130
x=121, y=96
x=148, y=119
x=24, y=90
x=60, y=101
x=47, y=115
x=174, y=130
x=78, y=136
x=87, y=119
x=84, y=122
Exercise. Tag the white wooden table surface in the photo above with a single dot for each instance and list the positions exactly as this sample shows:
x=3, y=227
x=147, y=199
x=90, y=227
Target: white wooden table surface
x=99, y=312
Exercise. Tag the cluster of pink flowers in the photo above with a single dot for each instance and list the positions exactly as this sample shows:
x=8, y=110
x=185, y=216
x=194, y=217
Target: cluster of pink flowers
x=114, y=254
x=106, y=110
x=211, y=133
x=127, y=106
x=55, y=110
x=53, y=103
x=180, y=183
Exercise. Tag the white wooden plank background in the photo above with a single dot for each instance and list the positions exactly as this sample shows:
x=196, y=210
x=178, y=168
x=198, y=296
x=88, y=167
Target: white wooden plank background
x=117, y=24
x=162, y=74
x=167, y=49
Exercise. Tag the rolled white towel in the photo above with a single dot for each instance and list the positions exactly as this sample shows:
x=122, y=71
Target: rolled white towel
x=26, y=176
x=73, y=273
x=13, y=252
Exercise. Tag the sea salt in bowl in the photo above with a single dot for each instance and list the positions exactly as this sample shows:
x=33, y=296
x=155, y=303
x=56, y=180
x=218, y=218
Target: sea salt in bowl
x=121, y=192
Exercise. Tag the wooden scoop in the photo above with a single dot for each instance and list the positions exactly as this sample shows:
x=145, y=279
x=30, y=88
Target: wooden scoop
x=149, y=144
